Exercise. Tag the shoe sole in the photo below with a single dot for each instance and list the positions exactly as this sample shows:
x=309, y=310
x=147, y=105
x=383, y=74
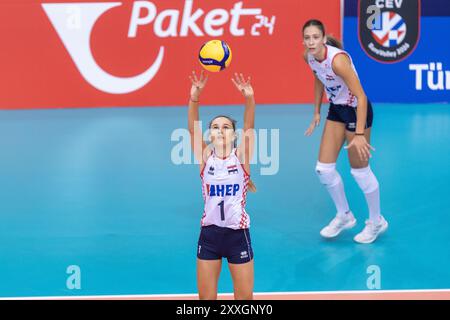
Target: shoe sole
x=383, y=230
x=339, y=232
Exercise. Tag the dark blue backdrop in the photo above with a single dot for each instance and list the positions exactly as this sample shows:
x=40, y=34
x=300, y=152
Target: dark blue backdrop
x=395, y=82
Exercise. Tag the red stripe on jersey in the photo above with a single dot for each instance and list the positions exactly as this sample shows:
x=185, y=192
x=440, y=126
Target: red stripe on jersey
x=244, y=217
x=246, y=174
x=204, y=201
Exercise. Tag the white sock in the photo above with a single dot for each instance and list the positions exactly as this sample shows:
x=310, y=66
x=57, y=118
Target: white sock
x=373, y=202
x=369, y=185
x=331, y=179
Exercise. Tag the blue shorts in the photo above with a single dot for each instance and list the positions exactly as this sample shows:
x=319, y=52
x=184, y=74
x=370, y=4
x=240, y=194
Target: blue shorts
x=216, y=243
x=347, y=114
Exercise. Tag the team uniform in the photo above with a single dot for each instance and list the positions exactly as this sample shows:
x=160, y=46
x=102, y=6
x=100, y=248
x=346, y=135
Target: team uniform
x=225, y=223
x=342, y=101
x=343, y=105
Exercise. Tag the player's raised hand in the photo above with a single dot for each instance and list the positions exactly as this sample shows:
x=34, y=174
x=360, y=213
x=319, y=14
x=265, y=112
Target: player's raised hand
x=243, y=85
x=198, y=84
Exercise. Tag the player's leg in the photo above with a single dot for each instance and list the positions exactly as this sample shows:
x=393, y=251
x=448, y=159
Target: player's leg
x=332, y=140
x=365, y=178
x=209, y=262
x=243, y=280
x=208, y=272
x=239, y=253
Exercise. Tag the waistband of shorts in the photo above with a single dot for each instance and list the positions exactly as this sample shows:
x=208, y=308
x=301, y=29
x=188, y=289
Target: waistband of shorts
x=221, y=229
x=369, y=103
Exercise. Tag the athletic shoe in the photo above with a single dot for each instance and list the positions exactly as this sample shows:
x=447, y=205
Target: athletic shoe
x=371, y=231
x=341, y=222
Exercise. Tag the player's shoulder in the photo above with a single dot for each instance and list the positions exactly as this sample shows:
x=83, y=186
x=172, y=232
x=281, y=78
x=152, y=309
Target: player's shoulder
x=340, y=59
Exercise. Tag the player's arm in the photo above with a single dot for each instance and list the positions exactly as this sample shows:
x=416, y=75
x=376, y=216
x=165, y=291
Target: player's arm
x=318, y=94
x=197, y=143
x=245, y=149
x=318, y=97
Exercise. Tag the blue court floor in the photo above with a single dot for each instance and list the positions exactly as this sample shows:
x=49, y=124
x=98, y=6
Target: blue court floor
x=97, y=188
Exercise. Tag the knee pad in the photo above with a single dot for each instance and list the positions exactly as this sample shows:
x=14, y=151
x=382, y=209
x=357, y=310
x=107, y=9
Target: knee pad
x=327, y=174
x=365, y=179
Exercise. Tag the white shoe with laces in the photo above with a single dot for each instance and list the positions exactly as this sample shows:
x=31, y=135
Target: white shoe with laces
x=342, y=221
x=371, y=231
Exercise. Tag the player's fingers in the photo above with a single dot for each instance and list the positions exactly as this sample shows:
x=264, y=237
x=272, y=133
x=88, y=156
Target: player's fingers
x=236, y=78
x=361, y=155
x=235, y=83
x=367, y=153
x=195, y=76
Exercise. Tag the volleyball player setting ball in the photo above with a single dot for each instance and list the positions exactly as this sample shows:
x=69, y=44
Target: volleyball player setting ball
x=349, y=119
x=225, y=177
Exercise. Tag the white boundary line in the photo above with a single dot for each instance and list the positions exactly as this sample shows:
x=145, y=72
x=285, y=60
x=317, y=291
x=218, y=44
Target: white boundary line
x=194, y=295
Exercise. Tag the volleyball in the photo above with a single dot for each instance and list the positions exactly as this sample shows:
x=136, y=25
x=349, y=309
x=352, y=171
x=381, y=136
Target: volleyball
x=215, y=55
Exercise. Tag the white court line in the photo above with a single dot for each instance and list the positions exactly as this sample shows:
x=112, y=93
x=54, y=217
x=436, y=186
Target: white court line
x=194, y=295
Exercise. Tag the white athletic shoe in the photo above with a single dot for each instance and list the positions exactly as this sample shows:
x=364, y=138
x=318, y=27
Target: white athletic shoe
x=340, y=222
x=371, y=231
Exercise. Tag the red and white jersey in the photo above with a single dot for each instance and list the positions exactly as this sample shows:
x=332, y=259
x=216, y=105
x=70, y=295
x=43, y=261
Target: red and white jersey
x=224, y=186
x=337, y=90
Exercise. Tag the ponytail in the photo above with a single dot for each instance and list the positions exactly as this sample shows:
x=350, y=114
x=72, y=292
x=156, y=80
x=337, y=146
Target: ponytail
x=332, y=41
x=251, y=186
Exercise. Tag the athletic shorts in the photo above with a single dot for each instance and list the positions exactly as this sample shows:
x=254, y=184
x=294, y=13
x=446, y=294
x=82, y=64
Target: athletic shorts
x=216, y=243
x=347, y=114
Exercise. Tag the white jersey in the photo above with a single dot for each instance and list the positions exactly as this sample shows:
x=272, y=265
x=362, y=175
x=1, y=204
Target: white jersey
x=336, y=89
x=224, y=186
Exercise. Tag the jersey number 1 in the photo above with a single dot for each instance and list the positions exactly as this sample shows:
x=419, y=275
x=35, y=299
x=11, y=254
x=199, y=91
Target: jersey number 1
x=222, y=212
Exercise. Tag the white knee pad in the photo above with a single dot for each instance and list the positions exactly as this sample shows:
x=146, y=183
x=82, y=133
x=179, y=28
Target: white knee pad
x=327, y=174
x=365, y=179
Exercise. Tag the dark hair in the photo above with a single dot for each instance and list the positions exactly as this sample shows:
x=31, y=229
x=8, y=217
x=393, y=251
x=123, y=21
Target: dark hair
x=233, y=122
x=332, y=41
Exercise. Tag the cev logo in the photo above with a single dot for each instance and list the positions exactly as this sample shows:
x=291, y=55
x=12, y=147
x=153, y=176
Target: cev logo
x=74, y=23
